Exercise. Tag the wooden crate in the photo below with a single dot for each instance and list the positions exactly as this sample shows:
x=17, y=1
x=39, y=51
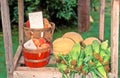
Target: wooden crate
x=14, y=64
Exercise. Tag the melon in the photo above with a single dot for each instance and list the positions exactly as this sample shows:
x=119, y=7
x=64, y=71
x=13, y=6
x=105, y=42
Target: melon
x=62, y=45
x=76, y=37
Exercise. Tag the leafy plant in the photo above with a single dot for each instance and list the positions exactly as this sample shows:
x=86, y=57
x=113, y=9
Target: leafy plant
x=94, y=4
x=58, y=11
x=29, y=6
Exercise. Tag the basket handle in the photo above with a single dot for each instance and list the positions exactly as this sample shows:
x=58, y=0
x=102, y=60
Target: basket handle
x=31, y=34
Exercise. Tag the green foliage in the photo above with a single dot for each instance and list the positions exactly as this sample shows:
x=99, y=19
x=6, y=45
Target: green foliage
x=94, y=4
x=61, y=10
x=66, y=11
x=29, y=6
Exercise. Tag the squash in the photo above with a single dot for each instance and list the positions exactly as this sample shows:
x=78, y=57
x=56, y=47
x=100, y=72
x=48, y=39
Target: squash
x=76, y=37
x=62, y=45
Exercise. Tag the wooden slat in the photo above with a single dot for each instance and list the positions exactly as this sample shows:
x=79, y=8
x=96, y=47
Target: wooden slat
x=114, y=36
x=7, y=37
x=44, y=72
x=101, y=22
x=26, y=72
x=17, y=55
x=21, y=19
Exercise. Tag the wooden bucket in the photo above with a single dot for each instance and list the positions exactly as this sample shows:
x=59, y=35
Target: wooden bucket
x=36, y=58
x=37, y=33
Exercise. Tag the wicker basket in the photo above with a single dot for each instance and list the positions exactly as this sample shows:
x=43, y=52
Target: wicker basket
x=36, y=33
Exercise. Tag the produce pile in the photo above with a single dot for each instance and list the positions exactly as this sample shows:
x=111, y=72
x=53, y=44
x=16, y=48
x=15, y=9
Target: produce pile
x=75, y=55
x=34, y=44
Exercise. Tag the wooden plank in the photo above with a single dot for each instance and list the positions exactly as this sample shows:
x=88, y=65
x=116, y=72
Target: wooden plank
x=17, y=55
x=83, y=15
x=7, y=37
x=25, y=72
x=21, y=19
x=44, y=72
x=101, y=21
x=114, y=36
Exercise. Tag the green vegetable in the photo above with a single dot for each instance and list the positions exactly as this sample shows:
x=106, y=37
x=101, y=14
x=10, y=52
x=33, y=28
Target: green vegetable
x=88, y=59
x=97, y=73
x=107, y=56
x=74, y=54
x=62, y=67
x=104, y=45
x=88, y=50
x=102, y=53
x=72, y=74
x=93, y=74
x=64, y=75
x=101, y=69
x=95, y=46
x=80, y=59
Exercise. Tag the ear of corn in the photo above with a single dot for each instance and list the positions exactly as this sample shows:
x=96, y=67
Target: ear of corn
x=104, y=45
x=102, y=53
x=101, y=69
x=88, y=50
x=96, y=46
x=64, y=75
x=62, y=67
x=107, y=56
x=74, y=54
x=72, y=74
x=105, y=51
x=93, y=74
x=97, y=73
x=80, y=59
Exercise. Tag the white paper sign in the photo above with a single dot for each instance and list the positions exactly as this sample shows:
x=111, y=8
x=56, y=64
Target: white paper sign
x=36, y=20
x=30, y=45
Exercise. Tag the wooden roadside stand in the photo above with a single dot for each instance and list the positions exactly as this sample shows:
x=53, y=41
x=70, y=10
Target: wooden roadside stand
x=13, y=64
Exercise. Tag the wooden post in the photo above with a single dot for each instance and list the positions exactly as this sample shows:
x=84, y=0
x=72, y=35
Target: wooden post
x=21, y=19
x=114, y=36
x=101, y=22
x=21, y=22
x=83, y=15
x=7, y=37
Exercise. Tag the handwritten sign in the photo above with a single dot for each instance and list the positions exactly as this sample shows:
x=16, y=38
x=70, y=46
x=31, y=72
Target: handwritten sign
x=36, y=20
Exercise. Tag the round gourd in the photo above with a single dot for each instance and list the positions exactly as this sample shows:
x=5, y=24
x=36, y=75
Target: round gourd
x=89, y=40
x=62, y=45
x=74, y=36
